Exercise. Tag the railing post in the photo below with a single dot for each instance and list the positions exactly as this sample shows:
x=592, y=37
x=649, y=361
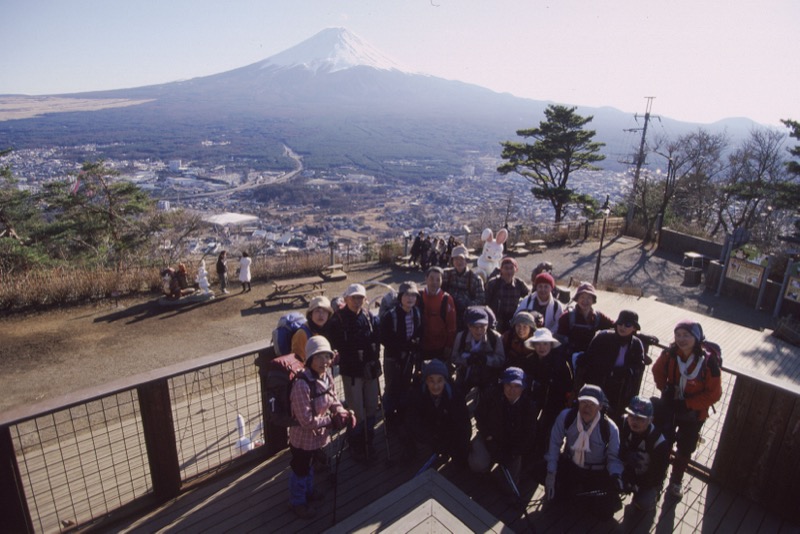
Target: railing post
x=159, y=437
x=14, y=513
x=275, y=437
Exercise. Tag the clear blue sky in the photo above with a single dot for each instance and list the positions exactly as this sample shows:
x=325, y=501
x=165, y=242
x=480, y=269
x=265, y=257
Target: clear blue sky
x=703, y=60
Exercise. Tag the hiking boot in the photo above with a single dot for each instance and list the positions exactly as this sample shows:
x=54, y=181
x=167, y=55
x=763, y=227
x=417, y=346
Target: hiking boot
x=302, y=511
x=315, y=496
x=675, y=490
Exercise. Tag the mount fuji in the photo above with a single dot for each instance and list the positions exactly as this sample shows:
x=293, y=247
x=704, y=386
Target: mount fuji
x=333, y=98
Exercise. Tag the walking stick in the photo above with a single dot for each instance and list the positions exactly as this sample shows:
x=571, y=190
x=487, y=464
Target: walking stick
x=514, y=489
x=336, y=473
x=385, y=424
x=427, y=464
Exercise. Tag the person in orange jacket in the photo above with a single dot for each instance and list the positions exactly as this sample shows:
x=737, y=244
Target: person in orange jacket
x=688, y=377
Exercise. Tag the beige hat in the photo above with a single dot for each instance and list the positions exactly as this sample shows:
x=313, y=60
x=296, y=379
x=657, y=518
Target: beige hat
x=317, y=345
x=460, y=250
x=542, y=335
x=320, y=302
x=355, y=290
x=408, y=288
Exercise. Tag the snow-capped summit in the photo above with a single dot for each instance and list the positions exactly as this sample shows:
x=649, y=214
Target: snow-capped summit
x=331, y=50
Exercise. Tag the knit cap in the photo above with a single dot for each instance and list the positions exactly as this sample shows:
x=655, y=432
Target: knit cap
x=692, y=327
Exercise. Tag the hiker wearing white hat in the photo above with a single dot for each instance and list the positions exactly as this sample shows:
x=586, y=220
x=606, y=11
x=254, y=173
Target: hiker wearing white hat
x=354, y=333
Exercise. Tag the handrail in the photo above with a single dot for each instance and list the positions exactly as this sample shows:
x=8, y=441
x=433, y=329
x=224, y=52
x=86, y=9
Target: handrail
x=68, y=400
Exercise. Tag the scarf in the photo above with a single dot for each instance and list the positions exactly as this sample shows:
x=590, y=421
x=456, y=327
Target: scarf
x=581, y=445
x=685, y=375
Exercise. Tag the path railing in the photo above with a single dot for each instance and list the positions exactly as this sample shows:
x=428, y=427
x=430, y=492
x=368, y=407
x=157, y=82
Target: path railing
x=125, y=447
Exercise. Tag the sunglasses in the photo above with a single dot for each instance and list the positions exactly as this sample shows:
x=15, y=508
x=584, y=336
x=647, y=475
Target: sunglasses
x=626, y=325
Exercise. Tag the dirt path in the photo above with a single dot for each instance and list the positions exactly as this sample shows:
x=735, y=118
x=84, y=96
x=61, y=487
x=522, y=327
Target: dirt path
x=50, y=354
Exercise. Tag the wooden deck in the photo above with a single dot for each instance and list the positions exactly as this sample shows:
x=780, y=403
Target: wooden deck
x=256, y=501
x=744, y=348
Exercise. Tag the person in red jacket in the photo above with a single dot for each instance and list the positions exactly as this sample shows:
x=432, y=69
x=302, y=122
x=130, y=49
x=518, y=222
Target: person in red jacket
x=438, y=317
x=688, y=377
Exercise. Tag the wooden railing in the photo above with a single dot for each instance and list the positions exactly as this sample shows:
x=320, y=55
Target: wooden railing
x=125, y=447
x=129, y=445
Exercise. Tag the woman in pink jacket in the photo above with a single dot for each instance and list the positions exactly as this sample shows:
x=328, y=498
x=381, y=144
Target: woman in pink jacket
x=316, y=409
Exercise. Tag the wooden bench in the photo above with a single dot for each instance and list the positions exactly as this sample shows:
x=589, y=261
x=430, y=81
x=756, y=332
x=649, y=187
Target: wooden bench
x=294, y=289
x=333, y=272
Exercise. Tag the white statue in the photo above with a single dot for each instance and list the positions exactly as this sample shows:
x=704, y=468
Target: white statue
x=202, y=279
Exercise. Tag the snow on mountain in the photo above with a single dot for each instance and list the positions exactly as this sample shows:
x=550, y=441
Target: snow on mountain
x=331, y=50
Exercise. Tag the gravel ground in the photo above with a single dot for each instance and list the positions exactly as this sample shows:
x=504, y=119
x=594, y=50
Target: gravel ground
x=48, y=354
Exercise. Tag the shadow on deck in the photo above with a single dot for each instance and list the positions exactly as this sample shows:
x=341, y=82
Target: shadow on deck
x=257, y=500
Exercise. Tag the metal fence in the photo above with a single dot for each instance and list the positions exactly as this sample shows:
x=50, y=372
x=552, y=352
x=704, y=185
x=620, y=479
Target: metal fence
x=82, y=457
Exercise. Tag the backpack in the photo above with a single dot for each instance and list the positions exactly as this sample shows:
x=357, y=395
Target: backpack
x=282, y=373
x=572, y=324
x=713, y=351
x=287, y=326
x=442, y=308
x=605, y=428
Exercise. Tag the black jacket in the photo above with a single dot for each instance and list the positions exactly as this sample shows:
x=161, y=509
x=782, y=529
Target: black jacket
x=355, y=336
x=507, y=429
x=393, y=333
x=619, y=384
x=444, y=427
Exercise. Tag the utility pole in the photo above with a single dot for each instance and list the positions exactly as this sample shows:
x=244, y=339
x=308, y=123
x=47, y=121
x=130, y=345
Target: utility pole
x=640, y=157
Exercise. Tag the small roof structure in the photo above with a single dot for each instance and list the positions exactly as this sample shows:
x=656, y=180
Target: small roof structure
x=229, y=218
x=426, y=503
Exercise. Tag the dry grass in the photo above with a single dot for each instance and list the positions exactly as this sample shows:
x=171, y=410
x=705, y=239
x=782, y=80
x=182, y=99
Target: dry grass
x=46, y=288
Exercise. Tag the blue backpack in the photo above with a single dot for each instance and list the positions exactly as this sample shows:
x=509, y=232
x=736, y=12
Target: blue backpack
x=287, y=326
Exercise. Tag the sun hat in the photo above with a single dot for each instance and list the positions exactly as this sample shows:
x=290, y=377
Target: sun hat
x=525, y=318
x=628, y=317
x=587, y=288
x=542, y=335
x=320, y=302
x=409, y=288
x=317, y=345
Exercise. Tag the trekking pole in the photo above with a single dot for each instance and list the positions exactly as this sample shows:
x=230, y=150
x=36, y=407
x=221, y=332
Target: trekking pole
x=336, y=472
x=427, y=464
x=385, y=424
x=514, y=489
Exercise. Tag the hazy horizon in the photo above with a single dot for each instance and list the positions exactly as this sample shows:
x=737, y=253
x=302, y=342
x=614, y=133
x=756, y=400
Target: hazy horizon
x=702, y=61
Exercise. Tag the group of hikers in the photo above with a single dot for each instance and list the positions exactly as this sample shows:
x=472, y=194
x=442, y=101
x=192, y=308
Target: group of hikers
x=553, y=388
x=431, y=250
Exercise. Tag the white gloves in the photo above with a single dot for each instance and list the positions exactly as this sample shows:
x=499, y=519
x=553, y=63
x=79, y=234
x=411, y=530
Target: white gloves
x=550, y=486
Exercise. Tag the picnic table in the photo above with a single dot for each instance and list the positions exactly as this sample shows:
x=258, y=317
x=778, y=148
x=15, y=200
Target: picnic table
x=537, y=245
x=294, y=289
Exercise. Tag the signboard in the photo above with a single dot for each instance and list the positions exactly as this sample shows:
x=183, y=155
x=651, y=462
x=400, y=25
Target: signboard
x=793, y=289
x=745, y=272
